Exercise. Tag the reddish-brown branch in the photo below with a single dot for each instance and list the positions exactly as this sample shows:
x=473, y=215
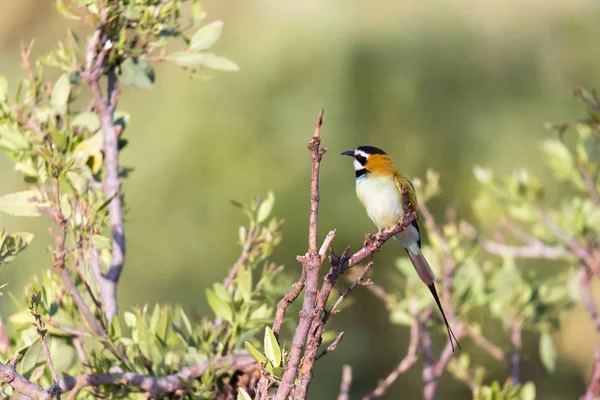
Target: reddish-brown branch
x=587, y=296
x=345, y=384
x=580, y=251
x=311, y=262
x=490, y=348
x=96, y=53
x=54, y=390
x=593, y=389
x=515, y=338
x=402, y=367
x=9, y=376
x=158, y=386
x=332, y=346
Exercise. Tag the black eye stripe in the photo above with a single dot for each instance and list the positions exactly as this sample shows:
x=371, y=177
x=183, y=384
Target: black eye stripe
x=360, y=172
x=362, y=160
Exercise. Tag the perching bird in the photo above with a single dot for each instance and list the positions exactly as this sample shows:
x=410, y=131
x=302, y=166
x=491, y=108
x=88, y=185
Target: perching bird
x=379, y=188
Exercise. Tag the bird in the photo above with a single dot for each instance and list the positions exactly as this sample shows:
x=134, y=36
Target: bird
x=379, y=187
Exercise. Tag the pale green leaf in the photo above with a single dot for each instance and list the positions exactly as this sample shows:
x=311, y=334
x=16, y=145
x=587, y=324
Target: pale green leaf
x=60, y=94
x=206, y=36
x=265, y=208
x=20, y=204
x=88, y=120
x=130, y=319
x=137, y=73
x=243, y=395
x=272, y=350
x=219, y=306
x=559, y=157
x=3, y=88
x=255, y=353
x=215, y=62
x=64, y=10
x=13, y=244
x=34, y=357
x=101, y=242
x=188, y=59
x=548, y=352
x=527, y=391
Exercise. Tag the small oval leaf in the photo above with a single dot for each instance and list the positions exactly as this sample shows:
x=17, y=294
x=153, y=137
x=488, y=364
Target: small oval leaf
x=272, y=350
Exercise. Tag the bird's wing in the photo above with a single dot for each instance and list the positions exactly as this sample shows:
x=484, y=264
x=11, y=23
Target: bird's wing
x=401, y=183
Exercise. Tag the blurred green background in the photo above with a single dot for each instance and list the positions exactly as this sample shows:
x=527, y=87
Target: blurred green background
x=440, y=84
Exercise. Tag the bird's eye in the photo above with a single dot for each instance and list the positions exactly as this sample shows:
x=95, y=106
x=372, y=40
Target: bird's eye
x=361, y=159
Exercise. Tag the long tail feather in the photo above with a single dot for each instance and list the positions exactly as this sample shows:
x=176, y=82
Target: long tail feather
x=426, y=274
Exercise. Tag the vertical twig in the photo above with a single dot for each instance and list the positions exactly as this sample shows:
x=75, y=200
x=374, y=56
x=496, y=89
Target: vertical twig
x=585, y=281
x=311, y=263
x=96, y=54
x=345, y=384
x=515, y=338
x=55, y=391
x=402, y=367
x=593, y=389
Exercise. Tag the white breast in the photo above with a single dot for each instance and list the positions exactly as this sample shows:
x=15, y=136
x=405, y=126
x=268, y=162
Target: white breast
x=383, y=203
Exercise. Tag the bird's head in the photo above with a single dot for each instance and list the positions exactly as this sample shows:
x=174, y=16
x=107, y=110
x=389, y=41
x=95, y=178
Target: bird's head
x=369, y=159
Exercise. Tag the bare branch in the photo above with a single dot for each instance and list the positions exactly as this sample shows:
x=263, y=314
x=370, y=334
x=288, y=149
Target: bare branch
x=515, y=338
x=54, y=390
x=576, y=248
x=402, y=367
x=311, y=262
x=490, y=348
x=332, y=346
x=316, y=155
x=240, y=261
x=359, y=281
x=155, y=386
x=10, y=377
x=593, y=389
x=536, y=250
x=588, y=297
x=345, y=384
x=433, y=369
x=326, y=243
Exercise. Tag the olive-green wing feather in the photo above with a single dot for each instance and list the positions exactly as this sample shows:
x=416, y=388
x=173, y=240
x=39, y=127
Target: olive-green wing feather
x=401, y=183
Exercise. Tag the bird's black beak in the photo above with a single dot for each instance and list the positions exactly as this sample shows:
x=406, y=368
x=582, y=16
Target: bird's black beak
x=348, y=153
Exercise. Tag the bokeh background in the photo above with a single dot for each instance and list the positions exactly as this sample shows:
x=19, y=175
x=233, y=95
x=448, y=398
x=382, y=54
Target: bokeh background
x=439, y=84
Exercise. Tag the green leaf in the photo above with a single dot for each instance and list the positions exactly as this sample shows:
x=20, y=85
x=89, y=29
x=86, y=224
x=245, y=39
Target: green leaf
x=33, y=358
x=130, y=319
x=3, y=88
x=243, y=395
x=197, y=13
x=19, y=204
x=219, y=306
x=12, y=138
x=60, y=94
x=257, y=355
x=88, y=120
x=548, y=352
x=272, y=350
x=13, y=244
x=206, y=36
x=138, y=73
x=244, y=279
x=188, y=59
x=64, y=10
x=101, y=242
x=559, y=158
x=217, y=63
x=527, y=391
x=265, y=208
